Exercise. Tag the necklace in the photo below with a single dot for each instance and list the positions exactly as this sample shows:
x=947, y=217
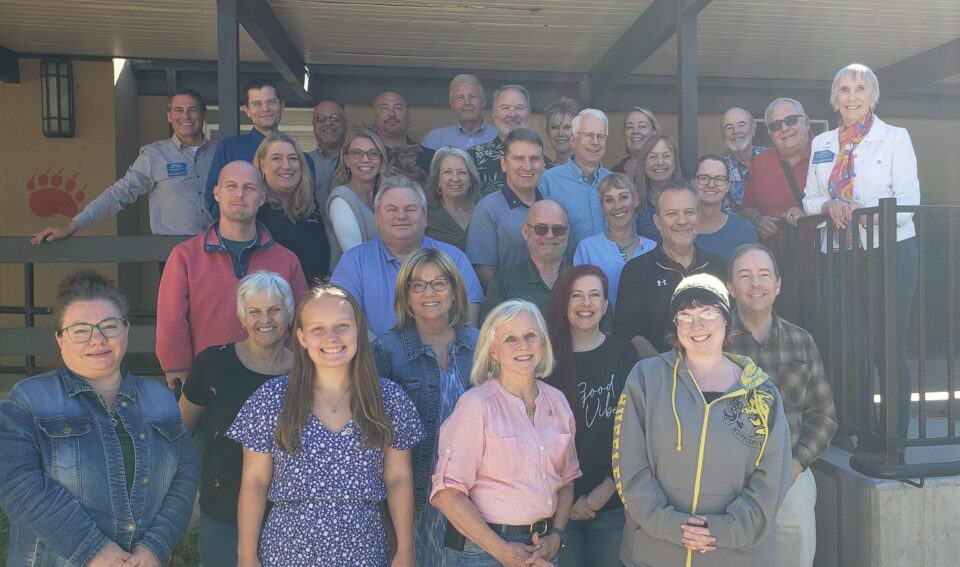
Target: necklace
x=623, y=249
x=599, y=340
x=333, y=407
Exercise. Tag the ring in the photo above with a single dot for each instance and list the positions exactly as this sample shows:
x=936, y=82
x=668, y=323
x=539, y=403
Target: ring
x=703, y=551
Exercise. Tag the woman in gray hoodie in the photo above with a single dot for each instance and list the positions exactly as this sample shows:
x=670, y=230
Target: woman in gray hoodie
x=701, y=448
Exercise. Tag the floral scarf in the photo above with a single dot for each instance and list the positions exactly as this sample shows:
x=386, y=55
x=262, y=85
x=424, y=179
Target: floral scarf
x=840, y=183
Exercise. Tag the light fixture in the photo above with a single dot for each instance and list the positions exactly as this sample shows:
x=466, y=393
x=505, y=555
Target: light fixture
x=56, y=98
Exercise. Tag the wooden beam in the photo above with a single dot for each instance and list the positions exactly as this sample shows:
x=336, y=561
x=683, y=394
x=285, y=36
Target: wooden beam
x=9, y=66
x=259, y=20
x=228, y=63
x=688, y=93
x=921, y=69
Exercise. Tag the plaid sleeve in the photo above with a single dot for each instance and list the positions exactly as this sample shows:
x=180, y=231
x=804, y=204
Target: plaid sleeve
x=819, y=413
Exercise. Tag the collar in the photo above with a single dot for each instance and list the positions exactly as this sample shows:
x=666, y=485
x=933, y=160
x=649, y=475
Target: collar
x=805, y=155
x=664, y=261
x=580, y=174
x=73, y=384
x=414, y=347
x=213, y=241
x=533, y=274
x=389, y=256
x=737, y=327
x=513, y=201
x=254, y=133
x=479, y=128
x=180, y=145
x=876, y=132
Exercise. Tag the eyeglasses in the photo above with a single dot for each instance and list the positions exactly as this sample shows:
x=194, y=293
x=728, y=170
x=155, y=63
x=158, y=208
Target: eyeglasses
x=543, y=229
x=686, y=320
x=718, y=180
x=270, y=102
x=778, y=125
x=371, y=154
x=110, y=328
x=333, y=118
x=420, y=286
x=593, y=137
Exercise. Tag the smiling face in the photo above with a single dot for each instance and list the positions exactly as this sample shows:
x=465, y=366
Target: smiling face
x=590, y=144
x=853, y=98
x=737, y=129
x=587, y=304
x=636, y=129
x=704, y=336
x=549, y=247
x=363, y=159
x=755, y=283
x=510, y=111
x=467, y=102
x=99, y=358
x=238, y=192
x=454, y=178
x=328, y=331
x=263, y=108
x=265, y=319
x=660, y=163
x=430, y=305
x=391, y=116
x=331, y=132
x=619, y=206
x=185, y=117
x=789, y=140
x=560, y=133
x=400, y=217
x=517, y=346
x=523, y=166
x=281, y=168
x=678, y=218
x=711, y=193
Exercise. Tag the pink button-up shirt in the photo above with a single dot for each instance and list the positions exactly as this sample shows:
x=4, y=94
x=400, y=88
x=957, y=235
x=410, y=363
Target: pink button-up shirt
x=510, y=467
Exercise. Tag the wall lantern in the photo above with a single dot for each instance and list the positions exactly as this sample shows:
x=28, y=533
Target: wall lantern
x=56, y=91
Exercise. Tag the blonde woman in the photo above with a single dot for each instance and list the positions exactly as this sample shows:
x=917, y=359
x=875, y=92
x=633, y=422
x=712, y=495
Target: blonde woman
x=349, y=206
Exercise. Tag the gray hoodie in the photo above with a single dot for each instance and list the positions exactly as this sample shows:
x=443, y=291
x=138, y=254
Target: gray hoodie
x=675, y=456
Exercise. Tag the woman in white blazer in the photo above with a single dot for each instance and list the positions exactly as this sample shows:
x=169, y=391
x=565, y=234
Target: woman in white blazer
x=856, y=165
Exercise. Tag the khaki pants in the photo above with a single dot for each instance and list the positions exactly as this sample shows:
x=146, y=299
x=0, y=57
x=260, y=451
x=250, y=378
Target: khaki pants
x=796, y=523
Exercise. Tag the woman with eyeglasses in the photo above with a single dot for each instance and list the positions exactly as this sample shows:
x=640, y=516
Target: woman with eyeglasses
x=96, y=467
x=657, y=163
x=719, y=233
x=429, y=354
x=701, y=445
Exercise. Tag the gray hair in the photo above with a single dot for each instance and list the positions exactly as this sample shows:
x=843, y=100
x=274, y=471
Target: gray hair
x=484, y=367
x=270, y=283
x=432, y=185
x=395, y=181
x=749, y=114
x=465, y=79
x=598, y=114
x=795, y=103
x=518, y=88
x=857, y=70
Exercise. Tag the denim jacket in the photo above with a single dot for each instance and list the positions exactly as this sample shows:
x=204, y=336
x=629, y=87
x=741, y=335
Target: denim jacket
x=62, y=479
x=402, y=357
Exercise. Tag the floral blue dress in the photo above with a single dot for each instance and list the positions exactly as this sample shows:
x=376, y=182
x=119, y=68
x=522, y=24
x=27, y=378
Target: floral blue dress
x=324, y=497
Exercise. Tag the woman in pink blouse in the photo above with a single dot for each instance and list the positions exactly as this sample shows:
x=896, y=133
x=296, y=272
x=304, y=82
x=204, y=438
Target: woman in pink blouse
x=507, y=461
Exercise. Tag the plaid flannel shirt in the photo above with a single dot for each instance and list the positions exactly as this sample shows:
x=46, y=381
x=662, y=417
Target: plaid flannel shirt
x=791, y=358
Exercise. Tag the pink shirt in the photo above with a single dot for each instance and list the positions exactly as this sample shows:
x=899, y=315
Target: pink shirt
x=510, y=467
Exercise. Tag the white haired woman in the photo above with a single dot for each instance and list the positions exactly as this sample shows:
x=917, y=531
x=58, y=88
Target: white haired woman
x=507, y=461
x=453, y=188
x=221, y=379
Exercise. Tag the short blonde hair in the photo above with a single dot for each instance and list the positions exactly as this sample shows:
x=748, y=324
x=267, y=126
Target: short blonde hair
x=484, y=367
x=856, y=70
x=303, y=204
x=459, y=311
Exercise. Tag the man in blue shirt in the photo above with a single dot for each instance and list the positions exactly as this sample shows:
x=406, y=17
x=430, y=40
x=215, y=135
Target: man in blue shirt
x=575, y=183
x=369, y=271
x=737, y=129
x=467, y=100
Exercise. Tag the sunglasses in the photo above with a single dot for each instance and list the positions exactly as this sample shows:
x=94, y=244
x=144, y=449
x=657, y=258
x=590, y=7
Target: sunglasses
x=333, y=118
x=778, y=125
x=543, y=229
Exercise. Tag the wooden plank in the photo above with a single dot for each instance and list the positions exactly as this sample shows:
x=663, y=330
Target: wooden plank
x=20, y=341
x=88, y=249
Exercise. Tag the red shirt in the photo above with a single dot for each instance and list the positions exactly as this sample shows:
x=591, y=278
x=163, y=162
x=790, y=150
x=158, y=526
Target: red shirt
x=767, y=188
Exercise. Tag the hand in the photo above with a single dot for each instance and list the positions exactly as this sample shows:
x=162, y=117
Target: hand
x=142, y=557
x=696, y=536
x=581, y=509
x=404, y=559
x=52, y=233
x=793, y=214
x=110, y=556
x=512, y=554
x=839, y=211
x=766, y=226
x=549, y=546
x=172, y=378
x=797, y=469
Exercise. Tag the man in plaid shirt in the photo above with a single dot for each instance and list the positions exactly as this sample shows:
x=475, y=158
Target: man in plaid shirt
x=789, y=355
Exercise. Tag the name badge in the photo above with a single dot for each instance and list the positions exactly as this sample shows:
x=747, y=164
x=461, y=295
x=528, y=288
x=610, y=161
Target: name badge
x=176, y=169
x=823, y=156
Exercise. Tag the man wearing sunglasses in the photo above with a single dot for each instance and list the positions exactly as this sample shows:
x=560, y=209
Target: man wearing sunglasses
x=329, y=128
x=775, y=186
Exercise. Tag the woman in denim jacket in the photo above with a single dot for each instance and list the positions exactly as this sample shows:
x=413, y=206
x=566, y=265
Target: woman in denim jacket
x=96, y=467
x=429, y=353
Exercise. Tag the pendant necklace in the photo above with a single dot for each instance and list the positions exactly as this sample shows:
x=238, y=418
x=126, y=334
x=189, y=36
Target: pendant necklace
x=333, y=407
x=623, y=249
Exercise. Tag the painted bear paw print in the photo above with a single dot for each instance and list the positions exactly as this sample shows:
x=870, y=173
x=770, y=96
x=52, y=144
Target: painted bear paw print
x=52, y=195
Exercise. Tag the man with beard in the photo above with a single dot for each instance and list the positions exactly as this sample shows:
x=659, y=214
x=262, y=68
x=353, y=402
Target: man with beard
x=330, y=128
x=391, y=120
x=467, y=100
x=737, y=129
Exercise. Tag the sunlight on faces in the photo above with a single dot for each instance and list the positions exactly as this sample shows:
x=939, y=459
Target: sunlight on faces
x=99, y=358
x=430, y=304
x=238, y=192
x=661, y=163
x=705, y=335
x=517, y=346
x=185, y=116
x=511, y=111
x=560, y=133
x=636, y=129
x=263, y=108
x=711, y=193
x=328, y=331
x=399, y=216
x=454, y=179
x=330, y=132
x=281, y=168
x=737, y=129
x=391, y=115
x=523, y=165
x=619, y=206
x=362, y=166
x=590, y=144
x=467, y=102
x=853, y=98
x=265, y=319
x=789, y=139
x=755, y=284
x=678, y=218
x=587, y=304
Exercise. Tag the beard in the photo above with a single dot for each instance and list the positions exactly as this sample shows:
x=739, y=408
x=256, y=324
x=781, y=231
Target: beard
x=739, y=147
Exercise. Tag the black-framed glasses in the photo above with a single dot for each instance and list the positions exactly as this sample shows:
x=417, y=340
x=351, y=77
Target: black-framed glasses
x=358, y=154
x=543, y=229
x=111, y=327
x=778, y=125
x=686, y=320
x=333, y=118
x=420, y=286
x=718, y=180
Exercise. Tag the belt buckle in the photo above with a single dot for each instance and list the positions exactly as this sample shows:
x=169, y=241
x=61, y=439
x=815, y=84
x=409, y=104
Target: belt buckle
x=535, y=529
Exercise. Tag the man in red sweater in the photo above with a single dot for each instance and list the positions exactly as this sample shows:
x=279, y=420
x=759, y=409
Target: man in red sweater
x=197, y=306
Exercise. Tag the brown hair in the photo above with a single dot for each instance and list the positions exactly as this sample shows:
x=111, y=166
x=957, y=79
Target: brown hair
x=87, y=285
x=341, y=175
x=644, y=190
x=303, y=204
x=366, y=399
x=459, y=311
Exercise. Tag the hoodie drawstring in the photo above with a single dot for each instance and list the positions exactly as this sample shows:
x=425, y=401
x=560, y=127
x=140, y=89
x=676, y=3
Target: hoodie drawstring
x=673, y=403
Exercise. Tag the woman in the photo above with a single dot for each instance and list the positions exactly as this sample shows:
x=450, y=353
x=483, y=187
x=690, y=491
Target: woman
x=591, y=369
x=620, y=242
x=701, y=445
x=325, y=445
x=429, y=353
x=507, y=462
x=221, y=380
x=97, y=468
x=638, y=125
x=290, y=211
x=657, y=164
x=856, y=165
x=720, y=233
x=559, y=116
x=350, y=202
x=453, y=188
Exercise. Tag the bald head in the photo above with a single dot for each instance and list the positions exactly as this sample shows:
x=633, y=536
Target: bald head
x=548, y=217
x=239, y=167
x=239, y=192
x=552, y=211
x=391, y=116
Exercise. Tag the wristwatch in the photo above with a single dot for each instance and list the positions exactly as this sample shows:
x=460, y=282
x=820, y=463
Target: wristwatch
x=559, y=534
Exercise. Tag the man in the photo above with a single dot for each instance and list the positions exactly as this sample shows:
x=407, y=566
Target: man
x=391, y=120
x=575, y=183
x=170, y=171
x=545, y=231
x=369, y=271
x=771, y=194
x=789, y=355
x=737, y=129
x=494, y=238
x=196, y=305
x=329, y=128
x=643, y=307
x=511, y=110
x=467, y=100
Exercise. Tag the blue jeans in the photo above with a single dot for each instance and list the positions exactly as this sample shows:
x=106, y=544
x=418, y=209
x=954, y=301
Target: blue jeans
x=474, y=556
x=594, y=542
x=218, y=543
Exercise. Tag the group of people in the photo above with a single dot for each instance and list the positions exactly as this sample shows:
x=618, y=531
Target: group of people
x=471, y=384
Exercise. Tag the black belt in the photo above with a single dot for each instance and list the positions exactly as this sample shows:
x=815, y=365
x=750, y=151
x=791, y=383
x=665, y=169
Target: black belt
x=455, y=540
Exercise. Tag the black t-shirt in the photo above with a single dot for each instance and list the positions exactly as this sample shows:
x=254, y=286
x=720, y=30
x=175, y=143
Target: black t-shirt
x=307, y=240
x=601, y=373
x=221, y=383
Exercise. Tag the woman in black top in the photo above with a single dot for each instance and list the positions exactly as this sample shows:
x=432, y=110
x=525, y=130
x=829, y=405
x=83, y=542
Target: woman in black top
x=221, y=380
x=591, y=370
x=290, y=212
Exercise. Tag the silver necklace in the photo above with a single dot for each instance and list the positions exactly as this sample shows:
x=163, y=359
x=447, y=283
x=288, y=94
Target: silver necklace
x=623, y=249
x=333, y=407
x=599, y=340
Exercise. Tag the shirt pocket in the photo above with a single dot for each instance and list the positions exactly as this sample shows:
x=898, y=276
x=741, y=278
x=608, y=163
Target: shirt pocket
x=792, y=384
x=164, y=438
x=502, y=457
x=874, y=175
x=558, y=446
x=68, y=441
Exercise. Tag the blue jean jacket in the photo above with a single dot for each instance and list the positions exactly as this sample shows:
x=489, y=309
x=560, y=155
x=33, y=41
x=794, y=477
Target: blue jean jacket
x=402, y=357
x=62, y=480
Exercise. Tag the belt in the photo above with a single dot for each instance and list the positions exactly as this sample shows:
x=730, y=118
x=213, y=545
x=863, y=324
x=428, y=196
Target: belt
x=540, y=527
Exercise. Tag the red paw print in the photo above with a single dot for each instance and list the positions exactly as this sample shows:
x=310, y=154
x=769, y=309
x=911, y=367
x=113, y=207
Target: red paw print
x=51, y=195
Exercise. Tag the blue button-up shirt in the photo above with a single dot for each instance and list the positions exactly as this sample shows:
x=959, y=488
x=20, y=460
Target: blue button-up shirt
x=580, y=196
x=457, y=136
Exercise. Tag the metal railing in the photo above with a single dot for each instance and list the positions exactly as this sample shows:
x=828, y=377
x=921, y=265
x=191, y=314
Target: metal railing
x=847, y=288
